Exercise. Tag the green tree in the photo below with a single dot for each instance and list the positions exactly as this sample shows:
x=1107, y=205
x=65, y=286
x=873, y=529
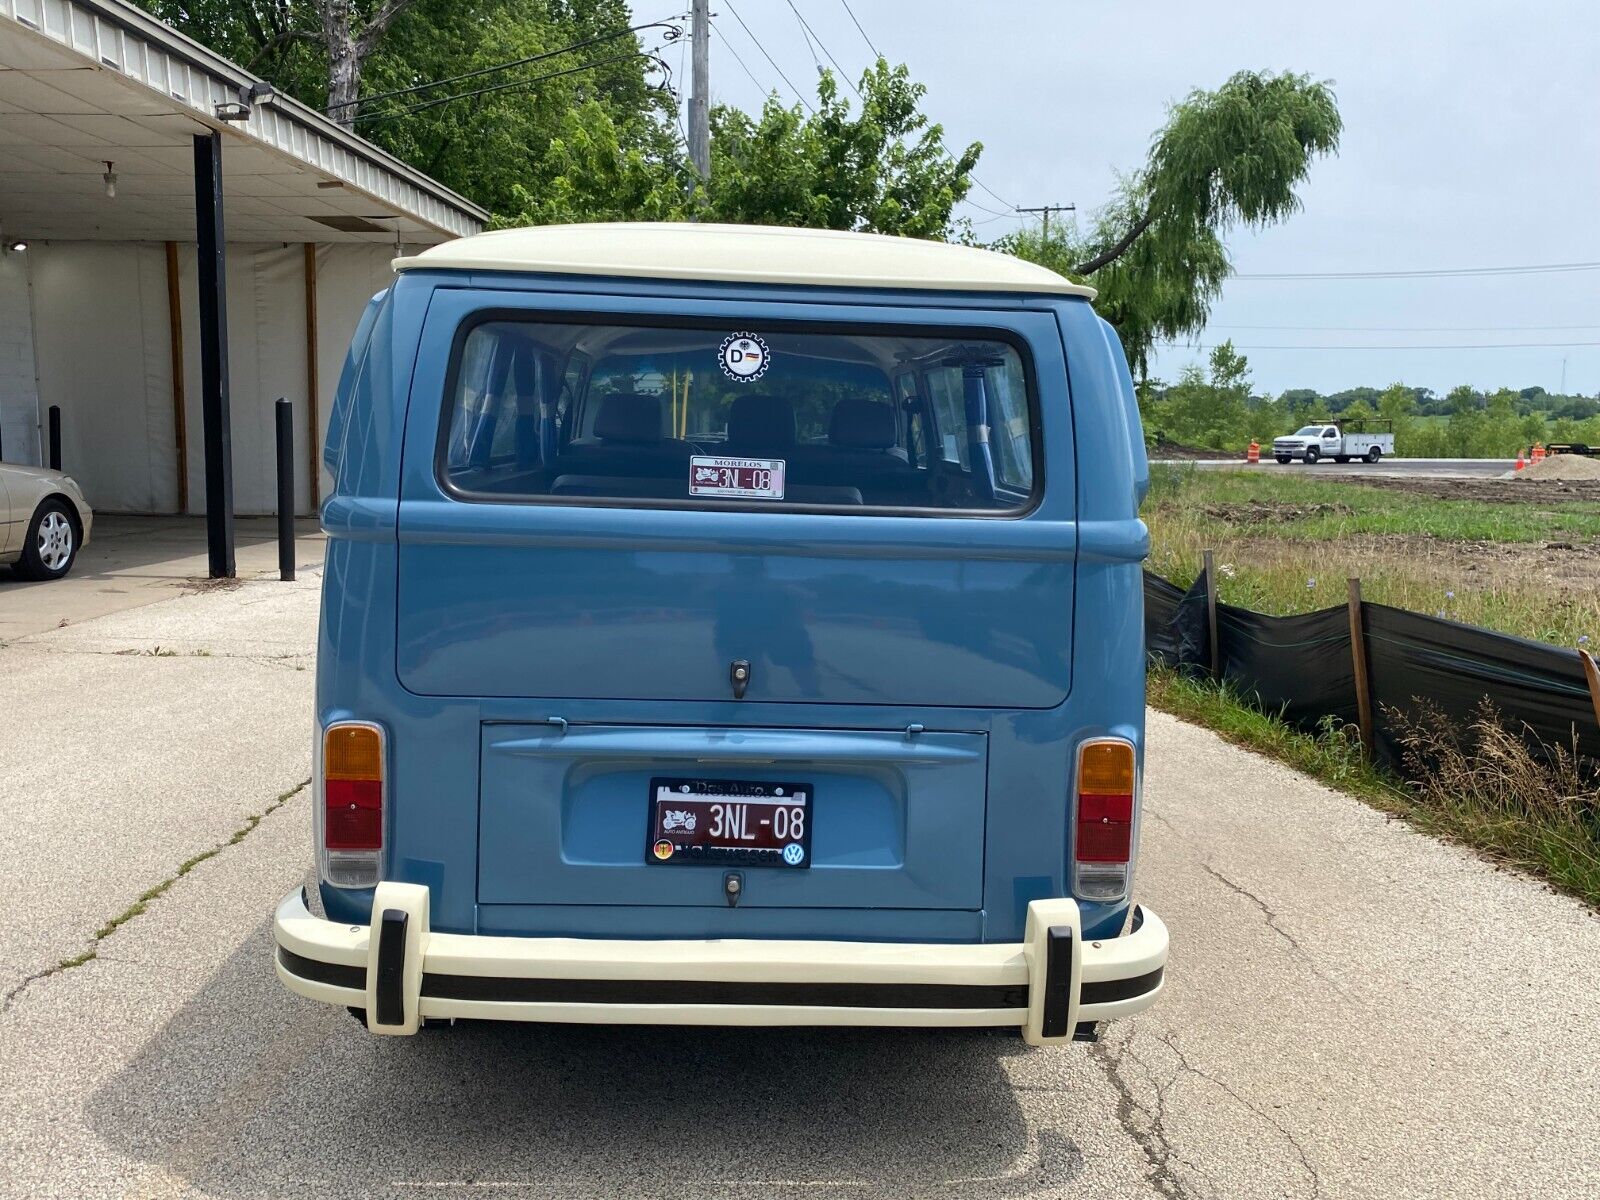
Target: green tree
x=1208, y=408
x=576, y=135
x=1229, y=157
x=1396, y=404
x=882, y=168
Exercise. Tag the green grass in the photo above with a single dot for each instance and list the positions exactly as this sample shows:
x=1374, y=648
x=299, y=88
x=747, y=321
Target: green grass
x=1286, y=544
x=1489, y=792
x=1364, y=510
x=1330, y=756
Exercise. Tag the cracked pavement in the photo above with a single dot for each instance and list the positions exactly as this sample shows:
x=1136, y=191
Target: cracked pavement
x=1352, y=1008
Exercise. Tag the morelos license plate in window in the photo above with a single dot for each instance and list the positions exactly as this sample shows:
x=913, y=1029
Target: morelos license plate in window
x=729, y=822
x=747, y=478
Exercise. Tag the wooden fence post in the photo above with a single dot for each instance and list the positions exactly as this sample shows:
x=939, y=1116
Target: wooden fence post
x=1358, y=661
x=1592, y=674
x=1210, y=568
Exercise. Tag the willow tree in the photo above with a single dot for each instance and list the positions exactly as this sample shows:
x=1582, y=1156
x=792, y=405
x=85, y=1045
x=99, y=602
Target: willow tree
x=1225, y=158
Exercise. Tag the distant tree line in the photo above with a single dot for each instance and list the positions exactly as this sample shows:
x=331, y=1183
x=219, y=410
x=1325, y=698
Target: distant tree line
x=1215, y=408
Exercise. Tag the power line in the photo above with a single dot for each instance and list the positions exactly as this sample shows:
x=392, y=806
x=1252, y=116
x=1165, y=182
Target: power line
x=806, y=35
x=860, y=30
x=997, y=217
x=677, y=101
x=1430, y=273
x=514, y=84
x=992, y=192
x=738, y=58
x=506, y=66
x=804, y=25
x=751, y=35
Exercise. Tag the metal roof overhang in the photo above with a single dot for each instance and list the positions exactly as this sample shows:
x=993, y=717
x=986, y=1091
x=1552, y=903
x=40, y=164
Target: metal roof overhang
x=86, y=82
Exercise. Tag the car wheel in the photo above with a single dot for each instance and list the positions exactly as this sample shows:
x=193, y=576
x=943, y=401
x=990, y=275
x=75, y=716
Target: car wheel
x=1283, y=458
x=52, y=542
x=1311, y=456
x=1374, y=454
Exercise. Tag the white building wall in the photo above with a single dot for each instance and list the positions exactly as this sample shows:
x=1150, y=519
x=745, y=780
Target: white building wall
x=100, y=317
x=19, y=392
x=100, y=329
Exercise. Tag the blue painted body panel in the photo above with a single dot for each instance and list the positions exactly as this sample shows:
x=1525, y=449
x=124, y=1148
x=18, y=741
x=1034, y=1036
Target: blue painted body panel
x=465, y=627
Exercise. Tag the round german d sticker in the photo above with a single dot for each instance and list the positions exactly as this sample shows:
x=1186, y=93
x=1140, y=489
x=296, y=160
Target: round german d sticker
x=743, y=357
x=663, y=849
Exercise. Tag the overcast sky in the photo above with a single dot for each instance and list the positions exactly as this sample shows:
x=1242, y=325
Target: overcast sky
x=1472, y=139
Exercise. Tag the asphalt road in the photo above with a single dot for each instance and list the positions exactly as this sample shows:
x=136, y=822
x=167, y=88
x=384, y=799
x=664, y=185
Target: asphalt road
x=1353, y=1009
x=1398, y=468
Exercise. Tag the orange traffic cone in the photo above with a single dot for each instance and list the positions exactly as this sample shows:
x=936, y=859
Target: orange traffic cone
x=1538, y=452
x=1520, y=464
x=1253, y=455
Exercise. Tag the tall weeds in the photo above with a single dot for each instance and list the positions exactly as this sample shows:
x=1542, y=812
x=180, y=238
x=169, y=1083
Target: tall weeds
x=1526, y=802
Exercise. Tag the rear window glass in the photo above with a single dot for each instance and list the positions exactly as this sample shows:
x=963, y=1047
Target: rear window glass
x=743, y=418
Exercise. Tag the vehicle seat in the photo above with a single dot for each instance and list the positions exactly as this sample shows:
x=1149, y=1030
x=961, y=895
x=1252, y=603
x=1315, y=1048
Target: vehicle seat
x=626, y=442
x=863, y=451
x=868, y=426
x=761, y=426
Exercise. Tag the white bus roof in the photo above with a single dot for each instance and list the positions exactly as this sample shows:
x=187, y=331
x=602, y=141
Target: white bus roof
x=745, y=254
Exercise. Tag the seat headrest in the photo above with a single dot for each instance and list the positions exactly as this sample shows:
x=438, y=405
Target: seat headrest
x=863, y=425
x=763, y=423
x=625, y=417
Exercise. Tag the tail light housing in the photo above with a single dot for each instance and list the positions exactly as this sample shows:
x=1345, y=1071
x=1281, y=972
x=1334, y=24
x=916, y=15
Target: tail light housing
x=350, y=815
x=1107, y=785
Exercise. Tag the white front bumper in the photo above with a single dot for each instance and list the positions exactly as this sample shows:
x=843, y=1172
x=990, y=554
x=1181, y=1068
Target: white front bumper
x=1048, y=984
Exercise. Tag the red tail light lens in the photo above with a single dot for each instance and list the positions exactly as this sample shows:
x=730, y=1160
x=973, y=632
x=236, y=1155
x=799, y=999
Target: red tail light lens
x=352, y=788
x=1105, y=828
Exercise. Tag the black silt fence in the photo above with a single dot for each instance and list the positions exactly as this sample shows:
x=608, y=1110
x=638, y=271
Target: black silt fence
x=1303, y=667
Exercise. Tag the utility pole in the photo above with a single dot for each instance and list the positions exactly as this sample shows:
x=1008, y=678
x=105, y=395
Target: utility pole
x=699, y=100
x=1046, y=210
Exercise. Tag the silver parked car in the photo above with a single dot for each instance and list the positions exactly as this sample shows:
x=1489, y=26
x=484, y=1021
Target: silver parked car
x=44, y=521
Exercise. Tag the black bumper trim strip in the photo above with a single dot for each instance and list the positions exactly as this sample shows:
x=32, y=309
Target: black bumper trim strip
x=694, y=991
x=389, y=995
x=1057, y=981
x=1121, y=989
x=334, y=974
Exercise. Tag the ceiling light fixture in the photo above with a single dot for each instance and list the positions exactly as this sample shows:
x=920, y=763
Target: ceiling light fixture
x=110, y=178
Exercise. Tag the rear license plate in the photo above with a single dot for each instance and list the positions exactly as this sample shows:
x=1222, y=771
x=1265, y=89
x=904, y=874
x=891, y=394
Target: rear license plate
x=729, y=822
x=738, y=478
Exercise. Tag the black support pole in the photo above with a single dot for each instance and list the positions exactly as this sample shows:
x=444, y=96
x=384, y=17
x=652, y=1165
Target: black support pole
x=55, y=437
x=211, y=243
x=285, y=414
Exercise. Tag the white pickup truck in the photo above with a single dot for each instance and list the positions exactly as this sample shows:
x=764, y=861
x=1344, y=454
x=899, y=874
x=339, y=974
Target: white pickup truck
x=1311, y=443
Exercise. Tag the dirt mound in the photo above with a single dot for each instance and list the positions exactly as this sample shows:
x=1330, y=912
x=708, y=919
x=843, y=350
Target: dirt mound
x=1562, y=466
x=1491, y=490
x=1259, y=512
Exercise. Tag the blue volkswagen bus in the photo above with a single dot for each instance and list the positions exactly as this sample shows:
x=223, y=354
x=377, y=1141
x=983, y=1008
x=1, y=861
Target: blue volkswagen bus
x=730, y=625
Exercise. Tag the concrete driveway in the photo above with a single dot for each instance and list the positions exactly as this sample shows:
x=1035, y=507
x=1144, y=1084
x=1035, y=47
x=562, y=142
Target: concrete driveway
x=136, y=560
x=1353, y=1009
